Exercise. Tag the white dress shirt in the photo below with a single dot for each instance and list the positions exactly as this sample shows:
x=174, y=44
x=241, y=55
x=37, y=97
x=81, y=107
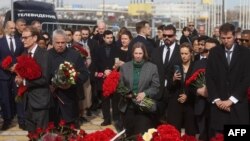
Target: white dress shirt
x=13, y=41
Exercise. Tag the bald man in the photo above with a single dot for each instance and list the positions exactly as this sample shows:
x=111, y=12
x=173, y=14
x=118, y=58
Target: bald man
x=101, y=26
x=10, y=45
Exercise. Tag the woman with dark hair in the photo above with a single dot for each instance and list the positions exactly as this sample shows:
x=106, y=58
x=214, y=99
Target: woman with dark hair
x=141, y=77
x=181, y=98
x=126, y=38
x=185, y=36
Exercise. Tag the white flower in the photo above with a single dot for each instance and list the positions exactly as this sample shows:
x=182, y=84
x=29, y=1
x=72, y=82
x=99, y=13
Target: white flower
x=147, y=136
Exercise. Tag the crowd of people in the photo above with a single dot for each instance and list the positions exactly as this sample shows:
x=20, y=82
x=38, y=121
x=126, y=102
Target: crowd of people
x=155, y=68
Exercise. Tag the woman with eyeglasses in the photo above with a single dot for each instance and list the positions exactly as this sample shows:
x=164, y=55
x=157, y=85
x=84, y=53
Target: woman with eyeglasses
x=180, y=112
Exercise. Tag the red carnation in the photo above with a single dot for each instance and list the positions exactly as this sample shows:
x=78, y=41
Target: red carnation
x=62, y=122
x=6, y=63
x=110, y=83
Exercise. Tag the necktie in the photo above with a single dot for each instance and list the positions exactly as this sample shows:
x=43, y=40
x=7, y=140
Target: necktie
x=167, y=56
x=11, y=45
x=228, y=56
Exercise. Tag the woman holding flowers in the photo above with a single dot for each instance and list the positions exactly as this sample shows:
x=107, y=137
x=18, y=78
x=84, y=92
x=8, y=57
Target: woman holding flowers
x=142, y=79
x=181, y=102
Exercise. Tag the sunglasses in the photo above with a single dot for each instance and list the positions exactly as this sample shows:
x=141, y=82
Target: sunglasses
x=169, y=36
x=191, y=25
x=244, y=40
x=237, y=39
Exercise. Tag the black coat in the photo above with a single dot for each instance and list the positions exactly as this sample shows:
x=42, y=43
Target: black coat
x=38, y=93
x=201, y=103
x=69, y=110
x=164, y=71
x=105, y=62
x=224, y=81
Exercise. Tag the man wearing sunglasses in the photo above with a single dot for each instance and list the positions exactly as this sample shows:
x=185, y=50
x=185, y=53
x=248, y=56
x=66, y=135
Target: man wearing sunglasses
x=194, y=32
x=164, y=57
x=245, y=38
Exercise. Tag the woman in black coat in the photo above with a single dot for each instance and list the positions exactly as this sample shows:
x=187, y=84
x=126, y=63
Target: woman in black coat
x=181, y=102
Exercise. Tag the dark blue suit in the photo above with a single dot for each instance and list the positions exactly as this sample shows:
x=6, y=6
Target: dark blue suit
x=7, y=84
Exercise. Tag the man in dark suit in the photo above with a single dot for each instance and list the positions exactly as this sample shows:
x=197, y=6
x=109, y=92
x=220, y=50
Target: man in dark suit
x=10, y=45
x=37, y=98
x=201, y=106
x=105, y=56
x=227, y=77
x=143, y=30
x=159, y=38
x=201, y=44
x=65, y=98
x=165, y=57
x=92, y=46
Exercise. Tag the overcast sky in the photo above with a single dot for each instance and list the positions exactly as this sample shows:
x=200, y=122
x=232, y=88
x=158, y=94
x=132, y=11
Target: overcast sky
x=92, y=3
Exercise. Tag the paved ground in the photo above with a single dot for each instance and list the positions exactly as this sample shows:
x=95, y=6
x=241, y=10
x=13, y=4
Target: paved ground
x=16, y=134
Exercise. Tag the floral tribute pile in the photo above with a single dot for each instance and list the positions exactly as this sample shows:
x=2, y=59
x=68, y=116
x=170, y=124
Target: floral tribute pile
x=165, y=132
x=62, y=132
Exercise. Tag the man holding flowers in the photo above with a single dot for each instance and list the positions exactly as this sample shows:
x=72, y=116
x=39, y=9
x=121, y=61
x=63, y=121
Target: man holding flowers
x=65, y=89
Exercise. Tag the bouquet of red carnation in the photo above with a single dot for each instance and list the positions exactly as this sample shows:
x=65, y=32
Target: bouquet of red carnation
x=79, y=48
x=27, y=68
x=66, y=75
x=110, y=83
x=146, y=105
x=7, y=63
x=218, y=137
x=165, y=132
x=197, y=79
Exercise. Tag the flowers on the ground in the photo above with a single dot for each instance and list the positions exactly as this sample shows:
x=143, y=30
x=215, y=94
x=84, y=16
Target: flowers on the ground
x=110, y=83
x=79, y=48
x=218, y=137
x=64, y=132
x=7, y=63
x=165, y=132
x=186, y=137
x=147, y=104
x=197, y=79
x=66, y=75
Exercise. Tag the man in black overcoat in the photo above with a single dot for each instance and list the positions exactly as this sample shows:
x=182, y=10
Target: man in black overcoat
x=66, y=99
x=227, y=77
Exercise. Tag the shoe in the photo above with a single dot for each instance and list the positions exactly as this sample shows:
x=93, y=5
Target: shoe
x=22, y=126
x=6, y=125
x=105, y=123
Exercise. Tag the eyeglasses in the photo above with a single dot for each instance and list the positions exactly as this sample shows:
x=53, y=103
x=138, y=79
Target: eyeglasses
x=244, y=40
x=25, y=37
x=190, y=25
x=169, y=36
x=201, y=44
